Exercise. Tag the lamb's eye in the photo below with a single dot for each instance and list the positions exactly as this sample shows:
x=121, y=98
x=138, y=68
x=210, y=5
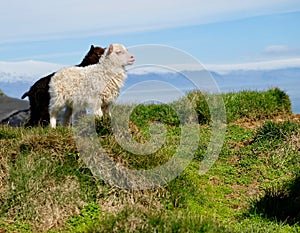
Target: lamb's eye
x=119, y=52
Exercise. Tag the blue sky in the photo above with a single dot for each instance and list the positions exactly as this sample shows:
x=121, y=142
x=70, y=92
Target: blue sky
x=217, y=32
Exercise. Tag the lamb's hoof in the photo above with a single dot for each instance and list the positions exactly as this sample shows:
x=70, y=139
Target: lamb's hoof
x=98, y=113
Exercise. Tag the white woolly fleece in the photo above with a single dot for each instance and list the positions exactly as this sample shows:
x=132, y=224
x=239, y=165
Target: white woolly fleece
x=95, y=86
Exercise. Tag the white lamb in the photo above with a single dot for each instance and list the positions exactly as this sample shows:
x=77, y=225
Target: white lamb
x=95, y=86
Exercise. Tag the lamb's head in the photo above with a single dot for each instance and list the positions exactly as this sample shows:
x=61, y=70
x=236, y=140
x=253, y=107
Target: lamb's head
x=92, y=56
x=119, y=54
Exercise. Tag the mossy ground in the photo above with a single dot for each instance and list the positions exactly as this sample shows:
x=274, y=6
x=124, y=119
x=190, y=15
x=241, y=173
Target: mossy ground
x=252, y=187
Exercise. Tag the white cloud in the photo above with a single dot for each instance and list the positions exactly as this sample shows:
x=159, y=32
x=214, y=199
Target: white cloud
x=263, y=65
x=34, y=19
x=221, y=68
x=280, y=51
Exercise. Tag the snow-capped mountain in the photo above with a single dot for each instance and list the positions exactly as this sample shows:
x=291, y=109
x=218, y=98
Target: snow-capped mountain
x=17, y=77
x=25, y=71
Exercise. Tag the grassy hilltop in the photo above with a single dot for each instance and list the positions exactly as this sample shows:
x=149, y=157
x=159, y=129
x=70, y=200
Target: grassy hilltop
x=254, y=186
x=1, y=93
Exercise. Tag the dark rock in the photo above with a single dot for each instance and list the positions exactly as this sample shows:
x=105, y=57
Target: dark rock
x=13, y=111
x=17, y=119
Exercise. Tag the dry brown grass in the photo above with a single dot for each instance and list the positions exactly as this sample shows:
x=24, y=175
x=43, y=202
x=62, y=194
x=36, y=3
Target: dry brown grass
x=28, y=165
x=248, y=123
x=55, y=203
x=8, y=152
x=119, y=199
x=138, y=205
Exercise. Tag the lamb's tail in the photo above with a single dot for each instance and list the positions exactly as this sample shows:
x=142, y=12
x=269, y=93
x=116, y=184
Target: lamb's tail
x=25, y=95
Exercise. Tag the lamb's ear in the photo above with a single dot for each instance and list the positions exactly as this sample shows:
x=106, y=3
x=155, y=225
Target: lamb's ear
x=91, y=51
x=110, y=49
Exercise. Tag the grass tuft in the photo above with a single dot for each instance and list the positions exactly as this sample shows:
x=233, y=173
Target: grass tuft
x=281, y=203
x=275, y=131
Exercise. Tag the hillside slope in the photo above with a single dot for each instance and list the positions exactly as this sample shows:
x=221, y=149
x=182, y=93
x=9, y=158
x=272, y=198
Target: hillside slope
x=253, y=186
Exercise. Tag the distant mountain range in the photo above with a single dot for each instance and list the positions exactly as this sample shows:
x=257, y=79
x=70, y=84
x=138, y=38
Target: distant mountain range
x=16, y=78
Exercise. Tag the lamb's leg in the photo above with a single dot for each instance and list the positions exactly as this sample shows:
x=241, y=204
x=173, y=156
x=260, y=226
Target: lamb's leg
x=53, y=121
x=96, y=106
x=53, y=116
x=98, y=112
x=106, y=110
x=34, y=110
x=44, y=115
x=78, y=114
x=67, y=115
x=43, y=100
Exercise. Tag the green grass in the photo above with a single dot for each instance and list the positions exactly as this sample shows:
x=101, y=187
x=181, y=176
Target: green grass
x=251, y=105
x=252, y=187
